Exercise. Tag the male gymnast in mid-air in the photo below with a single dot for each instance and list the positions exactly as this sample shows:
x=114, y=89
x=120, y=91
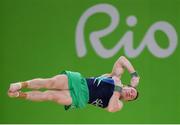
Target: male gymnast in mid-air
x=75, y=91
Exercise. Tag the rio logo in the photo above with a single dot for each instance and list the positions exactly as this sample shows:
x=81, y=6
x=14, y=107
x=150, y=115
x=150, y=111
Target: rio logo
x=127, y=39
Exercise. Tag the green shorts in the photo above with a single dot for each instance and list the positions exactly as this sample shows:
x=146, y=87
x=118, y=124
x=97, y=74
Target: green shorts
x=78, y=89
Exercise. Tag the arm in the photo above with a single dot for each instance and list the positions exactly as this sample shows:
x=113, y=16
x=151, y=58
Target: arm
x=114, y=103
x=120, y=65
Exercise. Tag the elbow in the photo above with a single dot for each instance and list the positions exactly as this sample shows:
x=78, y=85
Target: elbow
x=111, y=110
x=122, y=58
x=115, y=108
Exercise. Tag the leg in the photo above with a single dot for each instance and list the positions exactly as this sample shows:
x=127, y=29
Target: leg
x=62, y=97
x=56, y=82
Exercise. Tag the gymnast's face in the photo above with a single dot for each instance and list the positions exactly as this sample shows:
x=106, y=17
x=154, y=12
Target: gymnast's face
x=129, y=93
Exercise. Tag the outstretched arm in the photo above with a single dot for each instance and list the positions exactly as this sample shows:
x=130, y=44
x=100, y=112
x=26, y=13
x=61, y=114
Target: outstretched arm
x=120, y=65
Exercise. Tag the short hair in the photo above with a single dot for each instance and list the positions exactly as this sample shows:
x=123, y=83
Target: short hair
x=137, y=95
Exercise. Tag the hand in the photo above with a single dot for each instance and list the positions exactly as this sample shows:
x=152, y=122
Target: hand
x=134, y=81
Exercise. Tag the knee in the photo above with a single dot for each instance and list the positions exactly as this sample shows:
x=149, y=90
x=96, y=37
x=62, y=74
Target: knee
x=59, y=79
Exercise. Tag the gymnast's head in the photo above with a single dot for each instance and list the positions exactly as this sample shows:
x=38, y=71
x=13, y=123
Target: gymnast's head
x=129, y=93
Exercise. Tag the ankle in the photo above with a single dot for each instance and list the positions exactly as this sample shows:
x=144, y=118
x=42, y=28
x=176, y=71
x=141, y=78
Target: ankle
x=24, y=84
x=22, y=95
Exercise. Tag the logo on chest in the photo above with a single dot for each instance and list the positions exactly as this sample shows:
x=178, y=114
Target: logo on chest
x=98, y=102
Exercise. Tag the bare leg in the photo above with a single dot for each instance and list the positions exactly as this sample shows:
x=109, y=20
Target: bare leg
x=56, y=82
x=62, y=97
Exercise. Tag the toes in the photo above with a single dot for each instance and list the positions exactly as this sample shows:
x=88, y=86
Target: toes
x=13, y=94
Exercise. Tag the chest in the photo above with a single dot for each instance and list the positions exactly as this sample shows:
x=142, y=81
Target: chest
x=100, y=91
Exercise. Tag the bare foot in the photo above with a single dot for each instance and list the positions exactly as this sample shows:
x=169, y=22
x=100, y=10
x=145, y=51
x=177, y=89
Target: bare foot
x=14, y=87
x=13, y=94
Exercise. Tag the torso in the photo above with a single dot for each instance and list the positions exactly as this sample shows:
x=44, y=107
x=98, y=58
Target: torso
x=101, y=89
